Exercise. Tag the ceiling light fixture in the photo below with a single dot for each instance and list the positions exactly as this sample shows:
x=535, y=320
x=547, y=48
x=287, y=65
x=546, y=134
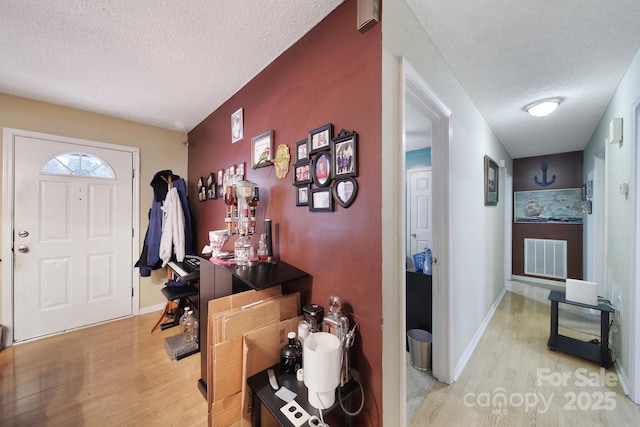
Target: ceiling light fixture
x=543, y=107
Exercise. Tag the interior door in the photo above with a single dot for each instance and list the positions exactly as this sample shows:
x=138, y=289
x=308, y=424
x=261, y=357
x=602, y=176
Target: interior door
x=420, y=219
x=73, y=252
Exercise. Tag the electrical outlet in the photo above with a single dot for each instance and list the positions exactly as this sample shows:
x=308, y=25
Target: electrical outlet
x=295, y=413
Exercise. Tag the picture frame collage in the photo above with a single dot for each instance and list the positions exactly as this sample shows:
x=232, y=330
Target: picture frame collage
x=212, y=187
x=325, y=168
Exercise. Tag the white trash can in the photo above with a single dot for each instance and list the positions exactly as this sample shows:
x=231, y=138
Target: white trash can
x=420, y=348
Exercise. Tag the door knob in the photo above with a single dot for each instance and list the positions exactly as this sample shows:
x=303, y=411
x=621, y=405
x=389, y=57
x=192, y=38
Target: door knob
x=23, y=233
x=413, y=235
x=23, y=249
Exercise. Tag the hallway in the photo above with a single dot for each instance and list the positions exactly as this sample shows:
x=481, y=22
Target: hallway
x=512, y=379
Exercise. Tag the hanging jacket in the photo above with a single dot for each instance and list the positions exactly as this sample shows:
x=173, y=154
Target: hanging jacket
x=173, y=238
x=150, y=256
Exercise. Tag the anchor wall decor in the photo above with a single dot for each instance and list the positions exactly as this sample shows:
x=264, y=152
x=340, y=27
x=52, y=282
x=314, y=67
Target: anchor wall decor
x=544, y=182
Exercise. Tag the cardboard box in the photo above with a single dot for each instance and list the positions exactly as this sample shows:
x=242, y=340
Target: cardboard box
x=223, y=304
x=261, y=349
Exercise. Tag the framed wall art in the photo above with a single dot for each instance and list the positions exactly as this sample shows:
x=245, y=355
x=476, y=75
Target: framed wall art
x=345, y=154
x=302, y=151
x=321, y=169
x=490, y=181
x=202, y=190
x=320, y=138
x=212, y=191
x=262, y=150
x=302, y=195
x=320, y=200
x=237, y=126
x=344, y=191
x=301, y=174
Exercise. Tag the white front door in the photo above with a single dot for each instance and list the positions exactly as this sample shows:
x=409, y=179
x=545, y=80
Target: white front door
x=420, y=219
x=73, y=253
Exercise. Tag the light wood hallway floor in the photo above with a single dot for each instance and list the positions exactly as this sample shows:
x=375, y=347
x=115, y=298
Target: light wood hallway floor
x=542, y=388
x=114, y=374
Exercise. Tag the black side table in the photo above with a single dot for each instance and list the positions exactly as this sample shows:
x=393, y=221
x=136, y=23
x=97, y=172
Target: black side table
x=263, y=394
x=587, y=350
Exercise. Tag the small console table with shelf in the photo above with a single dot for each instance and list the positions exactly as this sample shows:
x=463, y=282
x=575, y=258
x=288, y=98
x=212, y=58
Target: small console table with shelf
x=598, y=353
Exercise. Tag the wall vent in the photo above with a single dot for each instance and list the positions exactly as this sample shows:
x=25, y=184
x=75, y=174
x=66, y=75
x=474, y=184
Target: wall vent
x=546, y=258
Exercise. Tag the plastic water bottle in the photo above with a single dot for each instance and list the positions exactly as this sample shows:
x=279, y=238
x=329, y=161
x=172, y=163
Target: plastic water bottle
x=183, y=320
x=428, y=260
x=187, y=327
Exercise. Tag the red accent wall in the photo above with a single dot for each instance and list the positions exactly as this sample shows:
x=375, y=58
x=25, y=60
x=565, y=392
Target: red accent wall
x=568, y=170
x=331, y=75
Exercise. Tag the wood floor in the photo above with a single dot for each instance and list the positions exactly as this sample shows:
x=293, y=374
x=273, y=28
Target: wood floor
x=542, y=388
x=115, y=374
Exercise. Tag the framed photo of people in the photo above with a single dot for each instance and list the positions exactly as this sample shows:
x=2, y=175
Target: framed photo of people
x=302, y=195
x=320, y=138
x=301, y=174
x=321, y=169
x=302, y=151
x=344, y=149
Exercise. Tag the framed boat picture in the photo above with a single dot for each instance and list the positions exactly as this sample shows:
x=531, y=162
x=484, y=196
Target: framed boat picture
x=549, y=206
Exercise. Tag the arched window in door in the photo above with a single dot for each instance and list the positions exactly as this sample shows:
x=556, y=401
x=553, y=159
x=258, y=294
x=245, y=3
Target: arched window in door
x=78, y=164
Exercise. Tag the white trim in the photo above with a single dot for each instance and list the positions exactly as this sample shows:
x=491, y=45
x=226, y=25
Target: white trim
x=440, y=115
x=634, y=345
x=9, y=135
x=464, y=359
x=508, y=224
x=151, y=309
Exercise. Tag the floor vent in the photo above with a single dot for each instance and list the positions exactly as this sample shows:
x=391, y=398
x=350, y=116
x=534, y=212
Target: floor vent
x=546, y=258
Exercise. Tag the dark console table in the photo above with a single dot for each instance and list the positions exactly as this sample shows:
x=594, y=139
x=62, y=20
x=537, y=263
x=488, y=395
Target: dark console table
x=598, y=353
x=263, y=394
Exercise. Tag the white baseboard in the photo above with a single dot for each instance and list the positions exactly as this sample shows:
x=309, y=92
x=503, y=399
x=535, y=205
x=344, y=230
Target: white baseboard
x=622, y=377
x=457, y=370
x=151, y=309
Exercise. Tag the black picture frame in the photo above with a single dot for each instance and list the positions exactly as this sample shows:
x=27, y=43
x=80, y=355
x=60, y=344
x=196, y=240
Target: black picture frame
x=320, y=138
x=344, y=191
x=302, y=195
x=302, y=173
x=212, y=190
x=321, y=169
x=302, y=151
x=320, y=200
x=202, y=190
x=491, y=181
x=344, y=149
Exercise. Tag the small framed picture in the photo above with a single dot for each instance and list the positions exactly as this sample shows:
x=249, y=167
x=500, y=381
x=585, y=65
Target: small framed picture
x=302, y=195
x=302, y=151
x=212, y=191
x=320, y=138
x=262, y=150
x=202, y=190
x=301, y=174
x=490, y=181
x=345, y=154
x=321, y=169
x=240, y=170
x=220, y=182
x=344, y=191
x=320, y=200
x=237, y=126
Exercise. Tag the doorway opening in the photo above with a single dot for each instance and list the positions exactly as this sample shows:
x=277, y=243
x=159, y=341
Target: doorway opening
x=425, y=135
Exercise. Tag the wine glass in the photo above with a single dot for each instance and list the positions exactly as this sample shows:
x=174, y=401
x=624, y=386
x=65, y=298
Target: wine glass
x=217, y=239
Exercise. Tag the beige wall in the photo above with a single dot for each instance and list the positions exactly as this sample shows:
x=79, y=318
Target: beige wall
x=159, y=149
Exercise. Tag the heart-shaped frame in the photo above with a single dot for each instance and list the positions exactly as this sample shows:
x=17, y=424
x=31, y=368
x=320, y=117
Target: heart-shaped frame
x=344, y=191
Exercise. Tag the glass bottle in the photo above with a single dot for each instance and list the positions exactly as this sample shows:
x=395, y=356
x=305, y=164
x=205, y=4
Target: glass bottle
x=262, y=248
x=242, y=249
x=291, y=355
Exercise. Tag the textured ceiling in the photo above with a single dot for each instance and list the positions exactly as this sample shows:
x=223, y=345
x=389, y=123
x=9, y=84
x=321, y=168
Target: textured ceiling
x=164, y=63
x=507, y=54
x=171, y=63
